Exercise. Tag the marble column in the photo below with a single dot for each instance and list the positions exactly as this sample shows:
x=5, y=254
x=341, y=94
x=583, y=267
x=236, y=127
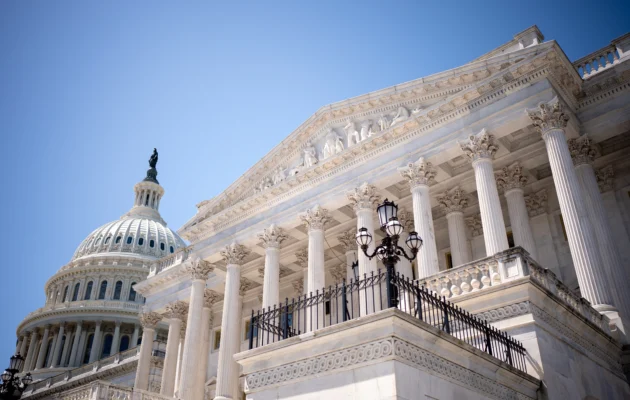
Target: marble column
x=198, y=270
x=149, y=321
x=480, y=149
x=420, y=175
x=42, y=348
x=116, y=339
x=209, y=298
x=512, y=181
x=364, y=200
x=95, y=352
x=55, y=356
x=176, y=313
x=24, y=346
x=315, y=220
x=454, y=202
x=228, y=369
x=73, y=362
x=19, y=344
x=550, y=119
x=134, y=336
x=271, y=239
x=32, y=351
x=50, y=357
x=584, y=152
x=406, y=219
x=82, y=348
x=180, y=357
x=349, y=243
x=66, y=349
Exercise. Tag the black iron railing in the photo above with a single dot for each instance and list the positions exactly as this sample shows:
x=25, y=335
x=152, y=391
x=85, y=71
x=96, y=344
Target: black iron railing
x=349, y=300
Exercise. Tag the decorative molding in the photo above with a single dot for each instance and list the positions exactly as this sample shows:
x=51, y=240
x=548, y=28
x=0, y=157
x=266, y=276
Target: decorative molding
x=177, y=310
x=548, y=116
x=406, y=219
x=302, y=258
x=348, y=240
x=210, y=297
x=420, y=173
x=383, y=349
x=480, y=146
x=364, y=197
x=316, y=218
x=501, y=313
x=474, y=224
x=583, y=150
x=605, y=178
x=454, y=200
x=199, y=268
x=272, y=237
x=536, y=203
x=511, y=177
x=298, y=286
x=245, y=285
x=149, y=320
x=234, y=253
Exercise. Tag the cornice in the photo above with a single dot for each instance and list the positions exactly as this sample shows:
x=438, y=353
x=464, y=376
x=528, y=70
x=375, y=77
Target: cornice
x=512, y=66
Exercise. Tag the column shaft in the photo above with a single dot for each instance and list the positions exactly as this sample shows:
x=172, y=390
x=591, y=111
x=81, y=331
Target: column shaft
x=170, y=361
x=32, y=352
x=271, y=284
x=116, y=340
x=82, y=349
x=42, y=348
x=55, y=355
x=144, y=360
x=66, y=348
x=95, y=352
x=24, y=346
x=193, y=338
x=75, y=345
x=316, y=276
x=227, y=375
x=460, y=252
x=204, y=350
x=584, y=251
x=519, y=220
x=427, y=263
x=494, y=234
x=134, y=337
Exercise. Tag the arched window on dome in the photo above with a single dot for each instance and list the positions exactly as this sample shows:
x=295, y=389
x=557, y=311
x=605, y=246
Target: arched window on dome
x=124, y=343
x=107, y=240
x=118, y=239
x=117, y=290
x=88, y=291
x=140, y=241
x=132, y=292
x=63, y=342
x=162, y=247
x=151, y=243
x=65, y=295
x=172, y=249
x=107, y=346
x=88, y=348
x=129, y=240
x=98, y=241
x=102, y=290
x=75, y=293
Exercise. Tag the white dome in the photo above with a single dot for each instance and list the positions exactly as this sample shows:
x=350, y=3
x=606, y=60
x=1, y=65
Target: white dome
x=136, y=235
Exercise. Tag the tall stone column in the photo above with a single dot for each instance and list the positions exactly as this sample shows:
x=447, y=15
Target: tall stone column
x=134, y=337
x=57, y=351
x=116, y=338
x=315, y=220
x=50, y=357
x=75, y=345
x=209, y=298
x=199, y=270
x=24, y=347
x=349, y=243
x=180, y=357
x=584, y=152
x=66, y=349
x=404, y=266
x=550, y=119
x=95, y=352
x=480, y=149
x=271, y=239
x=453, y=202
x=176, y=313
x=19, y=344
x=512, y=181
x=32, y=351
x=82, y=348
x=41, y=357
x=149, y=321
x=227, y=372
x=420, y=175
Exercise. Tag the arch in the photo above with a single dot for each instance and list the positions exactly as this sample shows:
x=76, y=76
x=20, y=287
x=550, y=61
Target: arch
x=124, y=343
x=102, y=290
x=88, y=348
x=172, y=249
x=107, y=240
x=117, y=290
x=118, y=239
x=65, y=294
x=75, y=292
x=132, y=292
x=140, y=241
x=162, y=247
x=151, y=243
x=107, y=345
x=88, y=291
x=129, y=239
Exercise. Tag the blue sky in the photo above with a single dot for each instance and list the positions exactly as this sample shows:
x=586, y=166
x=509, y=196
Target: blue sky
x=87, y=89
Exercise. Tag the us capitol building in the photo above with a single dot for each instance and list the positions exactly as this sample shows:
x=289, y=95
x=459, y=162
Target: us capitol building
x=461, y=236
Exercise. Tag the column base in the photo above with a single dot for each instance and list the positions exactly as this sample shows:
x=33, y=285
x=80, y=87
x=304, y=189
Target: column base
x=222, y=398
x=617, y=324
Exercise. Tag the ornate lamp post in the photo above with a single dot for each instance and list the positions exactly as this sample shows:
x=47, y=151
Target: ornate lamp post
x=389, y=252
x=12, y=385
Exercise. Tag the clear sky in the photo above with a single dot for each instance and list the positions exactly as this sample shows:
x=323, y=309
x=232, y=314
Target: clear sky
x=87, y=89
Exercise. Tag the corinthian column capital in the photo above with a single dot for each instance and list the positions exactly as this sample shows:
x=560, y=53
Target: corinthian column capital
x=418, y=173
x=453, y=200
x=406, y=219
x=234, y=253
x=199, y=268
x=245, y=285
x=316, y=218
x=511, y=177
x=364, y=197
x=474, y=224
x=177, y=310
x=348, y=240
x=149, y=320
x=583, y=150
x=536, y=203
x=272, y=236
x=210, y=297
x=480, y=146
x=548, y=116
x=302, y=258
x=338, y=272
x=605, y=178
x=298, y=286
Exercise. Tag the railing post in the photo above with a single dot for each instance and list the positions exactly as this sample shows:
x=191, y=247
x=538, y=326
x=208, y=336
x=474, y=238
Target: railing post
x=344, y=301
x=251, y=331
x=285, y=331
x=447, y=325
x=389, y=286
x=488, y=342
x=419, y=301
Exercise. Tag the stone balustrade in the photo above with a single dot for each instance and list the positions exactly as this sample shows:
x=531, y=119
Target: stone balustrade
x=597, y=61
x=109, y=304
x=180, y=256
x=504, y=267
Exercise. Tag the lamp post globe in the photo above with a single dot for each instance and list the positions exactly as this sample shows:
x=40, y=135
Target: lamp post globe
x=12, y=385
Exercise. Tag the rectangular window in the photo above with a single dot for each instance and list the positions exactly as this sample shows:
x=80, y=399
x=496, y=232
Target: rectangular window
x=510, y=239
x=217, y=339
x=327, y=304
x=449, y=260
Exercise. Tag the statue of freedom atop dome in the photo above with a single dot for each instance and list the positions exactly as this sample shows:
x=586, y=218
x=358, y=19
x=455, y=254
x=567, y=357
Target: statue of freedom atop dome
x=154, y=158
x=152, y=172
